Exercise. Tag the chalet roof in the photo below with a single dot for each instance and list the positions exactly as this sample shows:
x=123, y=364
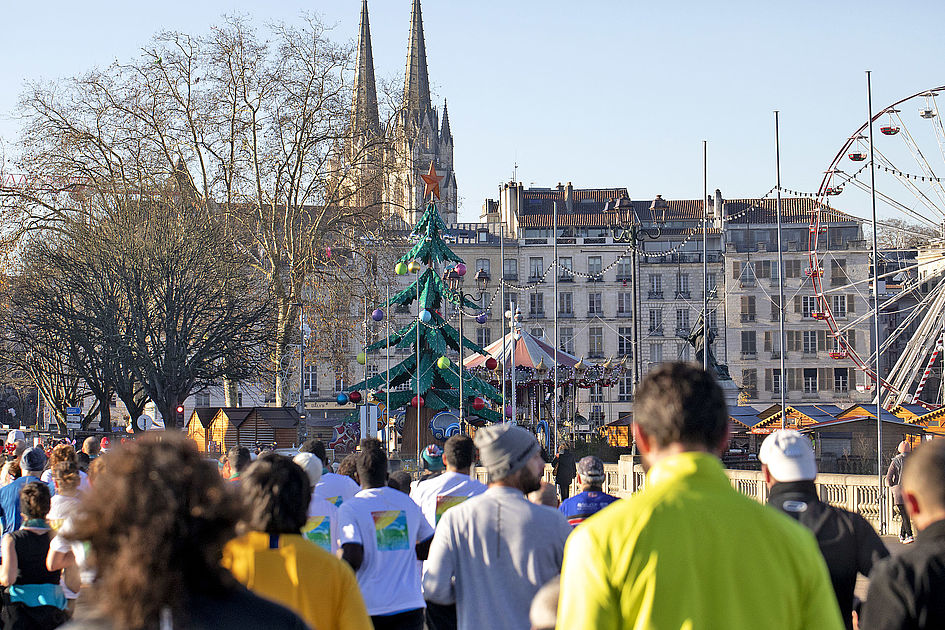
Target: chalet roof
x=745, y=415
x=888, y=419
x=277, y=417
x=204, y=414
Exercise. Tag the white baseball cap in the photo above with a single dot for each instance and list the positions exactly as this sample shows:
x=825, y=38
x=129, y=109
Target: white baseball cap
x=789, y=456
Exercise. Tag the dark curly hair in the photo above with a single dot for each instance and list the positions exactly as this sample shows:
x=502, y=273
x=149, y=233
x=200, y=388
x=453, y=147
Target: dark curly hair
x=276, y=493
x=156, y=523
x=35, y=499
x=66, y=474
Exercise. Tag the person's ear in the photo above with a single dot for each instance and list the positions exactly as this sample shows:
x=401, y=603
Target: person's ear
x=912, y=503
x=769, y=480
x=641, y=438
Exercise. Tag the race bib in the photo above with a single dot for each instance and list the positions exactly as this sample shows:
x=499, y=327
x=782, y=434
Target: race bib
x=445, y=502
x=390, y=529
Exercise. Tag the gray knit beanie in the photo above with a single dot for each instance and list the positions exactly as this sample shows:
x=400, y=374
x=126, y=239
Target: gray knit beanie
x=504, y=449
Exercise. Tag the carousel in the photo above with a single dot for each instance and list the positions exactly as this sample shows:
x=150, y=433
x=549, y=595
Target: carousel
x=531, y=381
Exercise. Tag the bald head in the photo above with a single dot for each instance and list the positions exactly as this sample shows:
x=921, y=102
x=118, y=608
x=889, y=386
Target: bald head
x=923, y=483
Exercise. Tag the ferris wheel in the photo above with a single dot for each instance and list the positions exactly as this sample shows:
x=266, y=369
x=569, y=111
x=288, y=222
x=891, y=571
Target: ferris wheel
x=909, y=153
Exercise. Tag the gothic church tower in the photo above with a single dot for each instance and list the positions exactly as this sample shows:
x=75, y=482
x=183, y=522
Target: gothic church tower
x=418, y=136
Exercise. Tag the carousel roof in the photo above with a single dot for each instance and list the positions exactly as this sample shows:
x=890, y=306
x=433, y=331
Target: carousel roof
x=529, y=351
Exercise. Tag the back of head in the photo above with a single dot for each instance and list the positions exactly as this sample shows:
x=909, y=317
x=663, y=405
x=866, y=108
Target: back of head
x=276, y=493
x=432, y=458
x=239, y=458
x=83, y=460
x=400, y=480
x=923, y=474
x=312, y=466
x=505, y=449
x=33, y=460
x=315, y=447
x=349, y=466
x=91, y=446
x=680, y=403
x=66, y=475
x=34, y=500
x=372, y=464
x=904, y=447
x=591, y=471
x=61, y=452
x=789, y=456
x=156, y=523
x=459, y=452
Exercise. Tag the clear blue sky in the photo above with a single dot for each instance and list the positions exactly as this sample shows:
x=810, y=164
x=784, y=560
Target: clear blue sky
x=599, y=93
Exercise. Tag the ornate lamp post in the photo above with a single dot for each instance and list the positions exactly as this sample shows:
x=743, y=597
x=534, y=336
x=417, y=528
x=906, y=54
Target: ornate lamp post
x=454, y=279
x=541, y=370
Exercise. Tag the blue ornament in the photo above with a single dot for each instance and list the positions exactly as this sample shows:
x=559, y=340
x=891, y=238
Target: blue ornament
x=426, y=316
x=342, y=399
x=481, y=318
x=377, y=315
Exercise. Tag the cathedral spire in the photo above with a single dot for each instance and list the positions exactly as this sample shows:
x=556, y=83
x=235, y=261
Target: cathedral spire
x=364, y=116
x=417, y=86
x=445, y=134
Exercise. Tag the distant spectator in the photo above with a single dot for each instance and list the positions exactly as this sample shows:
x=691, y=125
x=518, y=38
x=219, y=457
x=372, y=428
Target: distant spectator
x=83, y=460
x=400, y=480
x=894, y=481
x=63, y=452
x=383, y=534
x=169, y=551
x=317, y=448
x=92, y=447
x=32, y=463
x=905, y=590
x=497, y=547
x=240, y=459
x=336, y=488
x=847, y=541
x=564, y=471
x=34, y=598
x=349, y=467
x=440, y=493
x=546, y=495
x=431, y=462
x=10, y=471
x=277, y=562
x=592, y=498
x=321, y=527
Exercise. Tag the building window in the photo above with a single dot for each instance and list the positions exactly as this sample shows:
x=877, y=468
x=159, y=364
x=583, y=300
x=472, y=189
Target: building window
x=683, y=351
x=712, y=280
x=624, y=340
x=484, y=264
x=594, y=266
x=565, y=270
x=597, y=415
x=594, y=304
x=597, y=393
x=810, y=380
x=838, y=272
x=339, y=383
x=810, y=341
x=763, y=267
x=624, y=304
x=750, y=382
x=536, y=304
x=776, y=380
x=624, y=273
x=566, y=304
x=839, y=305
x=682, y=321
x=537, y=333
x=202, y=399
x=656, y=321
x=510, y=269
x=749, y=345
x=625, y=388
x=310, y=380
x=566, y=339
x=775, y=308
x=682, y=286
x=748, y=308
x=841, y=380
x=656, y=287
x=483, y=337
x=536, y=269
x=656, y=353
x=595, y=341
x=511, y=300
x=792, y=268
x=808, y=305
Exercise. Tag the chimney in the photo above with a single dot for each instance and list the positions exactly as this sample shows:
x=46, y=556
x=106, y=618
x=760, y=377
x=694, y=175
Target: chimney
x=718, y=204
x=569, y=197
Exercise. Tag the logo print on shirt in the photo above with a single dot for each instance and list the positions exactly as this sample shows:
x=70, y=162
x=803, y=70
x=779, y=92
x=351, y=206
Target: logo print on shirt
x=336, y=501
x=445, y=502
x=318, y=530
x=390, y=528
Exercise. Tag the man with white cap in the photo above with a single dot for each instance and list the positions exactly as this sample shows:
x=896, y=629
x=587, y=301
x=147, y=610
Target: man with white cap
x=492, y=553
x=322, y=525
x=848, y=543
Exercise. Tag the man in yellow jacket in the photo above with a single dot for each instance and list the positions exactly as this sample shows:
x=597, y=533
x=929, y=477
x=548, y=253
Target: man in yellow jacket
x=690, y=552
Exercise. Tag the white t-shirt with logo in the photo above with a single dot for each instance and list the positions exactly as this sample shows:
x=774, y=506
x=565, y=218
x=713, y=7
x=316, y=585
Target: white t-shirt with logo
x=322, y=525
x=336, y=489
x=388, y=524
x=436, y=495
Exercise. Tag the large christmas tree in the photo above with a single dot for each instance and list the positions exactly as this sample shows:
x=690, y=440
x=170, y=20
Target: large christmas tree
x=436, y=381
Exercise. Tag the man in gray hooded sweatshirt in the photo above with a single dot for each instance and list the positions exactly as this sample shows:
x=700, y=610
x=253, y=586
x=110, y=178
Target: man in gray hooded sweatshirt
x=492, y=553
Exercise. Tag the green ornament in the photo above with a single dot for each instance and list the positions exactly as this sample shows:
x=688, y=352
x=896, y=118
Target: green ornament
x=362, y=358
x=443, y=363
x=400, y=269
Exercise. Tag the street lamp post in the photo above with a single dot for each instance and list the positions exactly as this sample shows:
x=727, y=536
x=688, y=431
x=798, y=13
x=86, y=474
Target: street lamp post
x=454, y=279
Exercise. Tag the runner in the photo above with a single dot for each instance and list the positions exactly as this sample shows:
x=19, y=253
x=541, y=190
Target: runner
x=592, y=498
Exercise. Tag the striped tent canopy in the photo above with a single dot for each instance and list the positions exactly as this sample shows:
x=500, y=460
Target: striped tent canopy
x=529, y=351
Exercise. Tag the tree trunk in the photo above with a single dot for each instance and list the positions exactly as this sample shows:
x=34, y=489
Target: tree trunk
x=135, y=407
x=105, y=412
x=230, y=393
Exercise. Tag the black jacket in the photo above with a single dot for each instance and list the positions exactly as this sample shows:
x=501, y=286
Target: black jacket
x=847, y=541
x=908, y=590
x=564, y=468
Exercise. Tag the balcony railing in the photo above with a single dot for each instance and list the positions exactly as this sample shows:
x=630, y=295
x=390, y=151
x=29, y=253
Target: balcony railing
x=533, y=279
x=596, y=277
x=748, y=317
x=594, y=312
x=566, y=314
x=565, y=277
x=656, y=332
x=624, y=313
x=749, y=355
x=537, y=314
x=624, y=277
x=683, y=295
x=654, y=295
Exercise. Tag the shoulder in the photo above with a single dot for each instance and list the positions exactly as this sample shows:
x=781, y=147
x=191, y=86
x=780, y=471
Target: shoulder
x=252, y=610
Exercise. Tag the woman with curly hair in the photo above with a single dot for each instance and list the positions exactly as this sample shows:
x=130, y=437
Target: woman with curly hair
x=156, y=524
x=61, y=453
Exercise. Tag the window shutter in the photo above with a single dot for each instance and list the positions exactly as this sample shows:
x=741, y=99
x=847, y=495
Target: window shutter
x=736, y=269
x=821, y=341
x=767, y=341
x=851, y=339
x=851, y=301
x=824, y=380
x=769, y=380
x=792, y=380
x=745, y=299
x=797, y=304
